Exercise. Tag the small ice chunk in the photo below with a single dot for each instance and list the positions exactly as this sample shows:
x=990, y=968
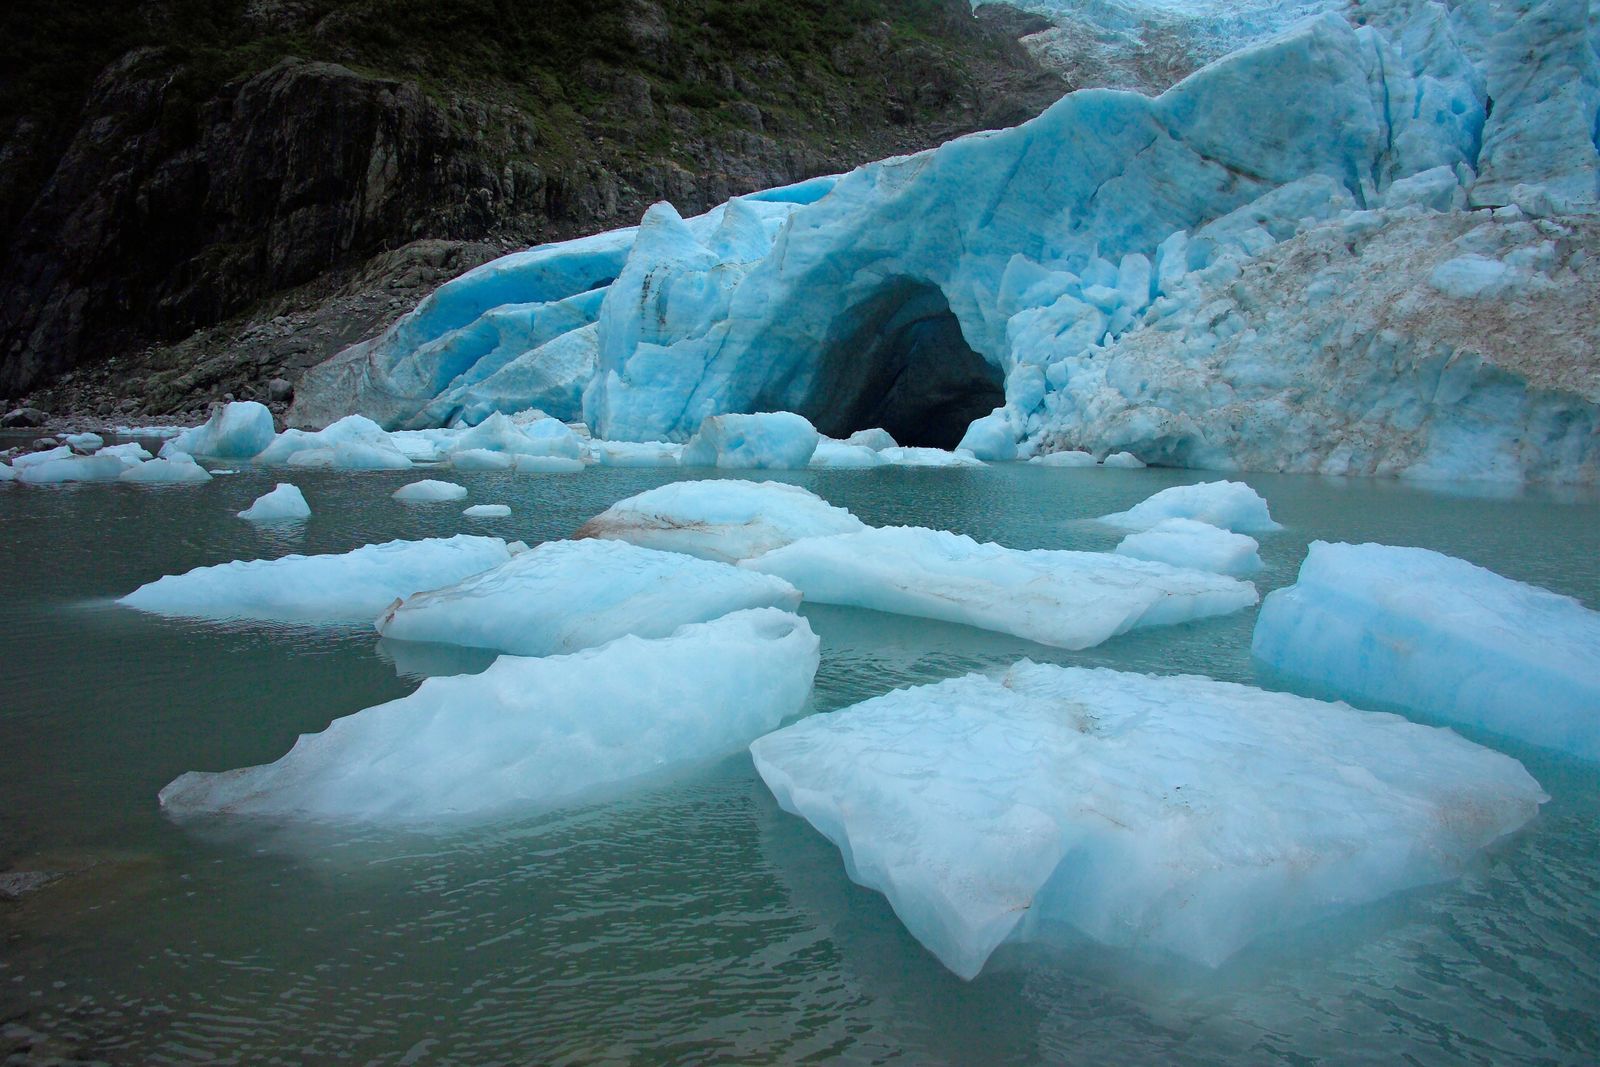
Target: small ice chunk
x=176, y=469
x=1066, y=459
x=774, y=440
x=487, y=511
x=565, y=595
x=837, y=454
x=240, y=430
x=875, y=439
x=481, y=459
x=131, y=454
x=1436, y=635
x=500, y=433
x=1066, y=599
x=284, y=504
x=930, y=457
x=1123, y=460
x=1187, y=543
x=1229, y=505
x=339, y=587
x=534, y=732
x=7, y=473
x=722, y=520
x=1175, y=814
x=83, y=442
x=525, y=464
x=429, y=490
x=70, y=468
x=635, y=453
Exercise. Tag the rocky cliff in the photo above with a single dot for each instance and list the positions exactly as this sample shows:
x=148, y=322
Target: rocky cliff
x=198, y=198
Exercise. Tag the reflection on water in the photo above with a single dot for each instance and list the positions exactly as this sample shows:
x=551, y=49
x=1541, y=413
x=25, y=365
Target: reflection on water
x=693, y=920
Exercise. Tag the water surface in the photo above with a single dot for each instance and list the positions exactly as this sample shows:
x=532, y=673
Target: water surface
x=693, y=921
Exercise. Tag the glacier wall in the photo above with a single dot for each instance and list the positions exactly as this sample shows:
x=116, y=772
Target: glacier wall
x=1353, y=249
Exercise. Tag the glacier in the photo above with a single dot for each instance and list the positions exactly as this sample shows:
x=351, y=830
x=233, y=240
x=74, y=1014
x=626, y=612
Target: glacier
x=342, y=587
x=1068, y=599
x=1355, y=247
x=533, y=732
x=1172, y=815
x=1415, y=629
x=563, y=596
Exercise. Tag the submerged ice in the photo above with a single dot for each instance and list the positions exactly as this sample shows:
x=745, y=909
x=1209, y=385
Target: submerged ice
x=1174, y=814
x=533, y=732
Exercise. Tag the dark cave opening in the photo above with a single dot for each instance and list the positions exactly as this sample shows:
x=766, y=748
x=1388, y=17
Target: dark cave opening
x=899, y=361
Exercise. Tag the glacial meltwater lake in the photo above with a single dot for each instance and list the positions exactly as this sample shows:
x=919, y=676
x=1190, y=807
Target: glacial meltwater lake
x=693, y=921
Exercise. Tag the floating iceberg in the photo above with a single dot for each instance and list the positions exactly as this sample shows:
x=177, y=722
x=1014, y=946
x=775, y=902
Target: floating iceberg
x=498, y=433
x=565, y=595
x=524, y=464
x=339, y=587
x=722, y=520
x=487, y=511
x=429, y=490
x=906, y=456
x=7, y=473
x=132, y=453
x=534, y=732
x=1228, y=505
x=34, y=459
x=839, y=455
x=1123, y=461
x=1068, y=458
x=1066, y=599
x=240, y=430
x=1176, y=814
x=1414, y=629
x=175, y=469
x=1188, y=543
x=482, y=459
x=286, y=503
x=69, y=468
x=83, y=442
x=772, y=440
x=635, y=453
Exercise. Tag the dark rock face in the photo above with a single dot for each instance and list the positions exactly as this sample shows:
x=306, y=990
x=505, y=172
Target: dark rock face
x=162, y=217
x=181, y=237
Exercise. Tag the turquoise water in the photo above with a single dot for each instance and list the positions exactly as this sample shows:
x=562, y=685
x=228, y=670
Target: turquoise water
x=694, y=921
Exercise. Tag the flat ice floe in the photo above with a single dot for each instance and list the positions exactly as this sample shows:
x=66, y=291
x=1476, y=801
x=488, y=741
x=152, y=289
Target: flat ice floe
x=1176, y=814
x=68, y=468
x=1066, y=599
x=720, y=519
x=534, y=732
x=286, y=503
x=1415, y=629
x=487, y=511
x=1228, y=505
x=1189, y=543
x=176, y=468
x=339, y=587
x=563, y=596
